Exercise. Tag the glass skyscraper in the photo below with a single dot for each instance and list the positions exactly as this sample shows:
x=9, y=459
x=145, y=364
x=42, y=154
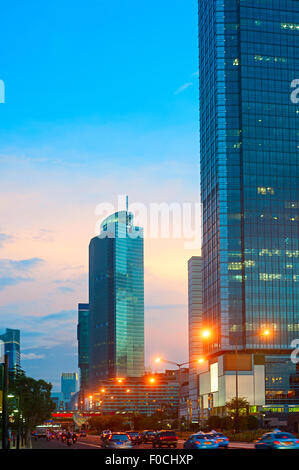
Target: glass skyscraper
x=195, y=325
x=116, y=300
x=69, y=385
x=83, y=344
x=11, y=340
x=248, y=58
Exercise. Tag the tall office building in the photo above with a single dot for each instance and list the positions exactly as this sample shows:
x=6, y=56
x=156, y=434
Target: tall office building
x=250, y=183
x=69, y=385
x=11, y=340
x=116, y=300
x=83, y=345
x=195, y=325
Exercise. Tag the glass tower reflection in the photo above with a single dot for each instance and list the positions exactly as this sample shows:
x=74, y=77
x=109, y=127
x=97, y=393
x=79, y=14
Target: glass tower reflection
x=116, y=299
x=249, y=172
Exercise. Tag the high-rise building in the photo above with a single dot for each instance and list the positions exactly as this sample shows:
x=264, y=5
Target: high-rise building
x=83, y=344
x=195, y=325
x=69, y=385
x=116, y=300
x=250, y=186
x=11, y=341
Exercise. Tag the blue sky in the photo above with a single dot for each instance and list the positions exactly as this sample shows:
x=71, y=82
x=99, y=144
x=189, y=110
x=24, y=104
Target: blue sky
x=101, y=99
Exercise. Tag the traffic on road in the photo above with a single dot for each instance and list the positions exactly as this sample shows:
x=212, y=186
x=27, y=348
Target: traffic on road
x=150, y=439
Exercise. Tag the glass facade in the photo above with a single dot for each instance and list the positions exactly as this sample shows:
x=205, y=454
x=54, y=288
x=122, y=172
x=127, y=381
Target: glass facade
x=11, y=340
x=69, y=384
x=249, y=171
x=116, y=299
x=195, y=324
x=83, y=344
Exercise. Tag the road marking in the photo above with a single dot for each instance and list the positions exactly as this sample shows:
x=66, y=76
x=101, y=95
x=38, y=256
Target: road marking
x=92, y=445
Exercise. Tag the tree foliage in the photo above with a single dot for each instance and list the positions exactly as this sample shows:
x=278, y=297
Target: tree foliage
x=34, y=399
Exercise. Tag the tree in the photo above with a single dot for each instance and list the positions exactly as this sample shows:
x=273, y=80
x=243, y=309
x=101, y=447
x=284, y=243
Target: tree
x=34, y=399
x=236, y=409
x=214, y=422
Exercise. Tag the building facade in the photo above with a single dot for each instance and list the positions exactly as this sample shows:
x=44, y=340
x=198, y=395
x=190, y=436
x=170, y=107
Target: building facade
x=250, y=183
x=116, y=300
x=69, y=385
x=195, y=326
x=83, y=344
x=146, y=394
x=11, y=341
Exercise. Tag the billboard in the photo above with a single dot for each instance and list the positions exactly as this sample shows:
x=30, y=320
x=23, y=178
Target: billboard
x=214, y=377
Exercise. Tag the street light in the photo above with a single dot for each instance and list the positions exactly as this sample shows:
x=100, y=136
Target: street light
x=179, y=365
x=206, y=334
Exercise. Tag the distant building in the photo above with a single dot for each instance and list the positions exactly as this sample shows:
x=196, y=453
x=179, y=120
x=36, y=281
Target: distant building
x=145, y=395
x=11, y=340
x=116, y=300
x=83, y=344
x=69, y=385
x=195, y=325
x=58, y=399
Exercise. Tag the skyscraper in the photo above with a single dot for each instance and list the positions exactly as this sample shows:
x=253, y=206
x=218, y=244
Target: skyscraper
x=250, y=181
x=69, y=385
x=11, y=340
x=83, y=344
x=194, y=322
x=116, y=299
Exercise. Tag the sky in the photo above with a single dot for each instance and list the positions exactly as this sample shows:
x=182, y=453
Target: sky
x=101, y=99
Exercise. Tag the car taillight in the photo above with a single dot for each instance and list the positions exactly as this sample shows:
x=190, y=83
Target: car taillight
x=277, y=442
x=197, y=442
x=297, y=442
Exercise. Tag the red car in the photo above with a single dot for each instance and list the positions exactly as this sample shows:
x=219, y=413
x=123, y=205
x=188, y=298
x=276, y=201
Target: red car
x=165, y=438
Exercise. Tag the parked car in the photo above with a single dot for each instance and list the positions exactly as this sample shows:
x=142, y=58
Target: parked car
x=147, y=436
x=200, y=441
x=117, y=440
x=277, y=440
x=222, y=440
x=135, y=437
x=165, y=438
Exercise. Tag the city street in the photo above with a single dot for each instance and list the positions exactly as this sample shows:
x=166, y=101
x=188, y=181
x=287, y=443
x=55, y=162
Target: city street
x=94, y=442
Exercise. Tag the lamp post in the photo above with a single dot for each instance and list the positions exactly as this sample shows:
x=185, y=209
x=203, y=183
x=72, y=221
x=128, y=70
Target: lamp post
x=179, y=365
x=206, y=334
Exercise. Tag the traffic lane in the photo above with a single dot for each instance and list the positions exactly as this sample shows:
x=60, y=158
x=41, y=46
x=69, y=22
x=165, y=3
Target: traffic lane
x=58, y=444
x=94, y=442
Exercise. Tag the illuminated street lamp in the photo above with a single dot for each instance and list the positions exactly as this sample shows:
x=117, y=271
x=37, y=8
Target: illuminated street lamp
x=206, y=334
x=200, y=360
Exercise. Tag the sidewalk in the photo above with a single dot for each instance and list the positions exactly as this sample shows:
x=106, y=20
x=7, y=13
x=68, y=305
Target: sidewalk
x=14, y=447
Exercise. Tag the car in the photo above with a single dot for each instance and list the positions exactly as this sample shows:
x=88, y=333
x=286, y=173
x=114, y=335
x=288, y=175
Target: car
x=165, y=438
x=147, y=436
x=135, y=437
x=82, y=434
x=222, y=440
x=117, y=440
x=200, y=441
x=277, y=439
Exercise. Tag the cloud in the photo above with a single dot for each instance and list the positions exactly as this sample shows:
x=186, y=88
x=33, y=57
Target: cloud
x=63, y=315
x=183, y=88
x=65, y=289
x=4, y=238
x=31, y=356
x=10, y=271
x=6, y=281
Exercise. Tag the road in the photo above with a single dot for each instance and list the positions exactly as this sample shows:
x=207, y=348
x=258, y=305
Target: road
x=94, y=442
